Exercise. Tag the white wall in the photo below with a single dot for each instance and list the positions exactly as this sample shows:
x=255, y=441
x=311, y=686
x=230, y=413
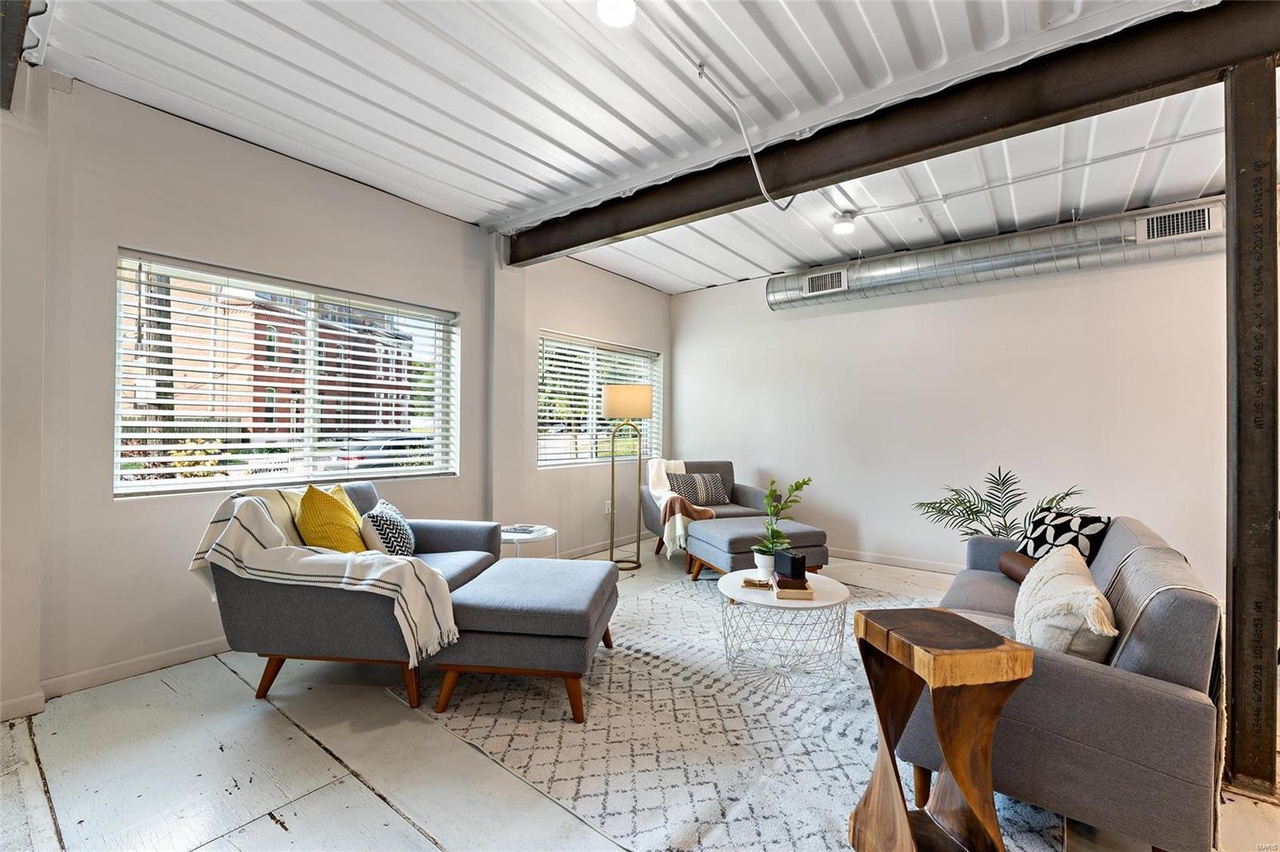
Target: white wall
x=1112, y=380
x=567, y=296
x=116, y=598
x=94, y=589
x=23, y=194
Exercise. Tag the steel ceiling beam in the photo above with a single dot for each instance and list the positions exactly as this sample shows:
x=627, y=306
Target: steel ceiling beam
x=13, y=30
x=1171, y=54
x=1253, y=460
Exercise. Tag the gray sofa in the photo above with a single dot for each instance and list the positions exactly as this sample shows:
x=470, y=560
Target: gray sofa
x=1131, y=745
x=305, y=622
x=516, y=616
x=745, y=501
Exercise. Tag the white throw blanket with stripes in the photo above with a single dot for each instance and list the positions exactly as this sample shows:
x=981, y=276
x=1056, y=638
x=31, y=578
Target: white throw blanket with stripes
x=675, y=534
x=252, y=535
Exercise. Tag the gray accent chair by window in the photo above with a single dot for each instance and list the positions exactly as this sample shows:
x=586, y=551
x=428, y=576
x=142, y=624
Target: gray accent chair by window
x=307, y=623
x=745, y=501
x=1130, y=745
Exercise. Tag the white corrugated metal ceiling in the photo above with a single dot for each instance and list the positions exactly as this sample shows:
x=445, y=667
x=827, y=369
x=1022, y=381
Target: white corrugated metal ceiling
x=505, y=113
x=1157, y=153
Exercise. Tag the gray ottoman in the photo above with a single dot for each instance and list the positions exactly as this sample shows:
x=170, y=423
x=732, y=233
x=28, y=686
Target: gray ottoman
x=538, y=617
x=724, y=544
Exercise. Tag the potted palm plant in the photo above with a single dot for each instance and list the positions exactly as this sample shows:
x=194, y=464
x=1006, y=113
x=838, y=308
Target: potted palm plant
x=775, y=508
x=988, y=512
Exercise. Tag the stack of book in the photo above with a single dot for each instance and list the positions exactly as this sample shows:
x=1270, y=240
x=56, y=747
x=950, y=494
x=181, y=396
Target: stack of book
x=792, y=590
x=523, y=529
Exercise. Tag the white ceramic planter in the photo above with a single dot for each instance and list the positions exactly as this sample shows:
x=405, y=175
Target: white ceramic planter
x=764, y=566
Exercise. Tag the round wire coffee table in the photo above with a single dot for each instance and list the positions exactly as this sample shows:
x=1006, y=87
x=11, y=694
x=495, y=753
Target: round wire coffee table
x=784, y=645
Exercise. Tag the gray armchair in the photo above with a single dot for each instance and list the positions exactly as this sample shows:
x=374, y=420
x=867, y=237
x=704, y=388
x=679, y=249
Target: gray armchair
x=282, y=622
x=745, y=501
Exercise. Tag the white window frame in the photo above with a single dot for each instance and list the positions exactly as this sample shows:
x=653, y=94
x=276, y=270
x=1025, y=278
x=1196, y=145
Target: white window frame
x=316, y=420
x=590, y=445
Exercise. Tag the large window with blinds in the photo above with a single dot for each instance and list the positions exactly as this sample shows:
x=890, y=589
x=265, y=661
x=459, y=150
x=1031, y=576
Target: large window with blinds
x=225, y=379
x=572, y=373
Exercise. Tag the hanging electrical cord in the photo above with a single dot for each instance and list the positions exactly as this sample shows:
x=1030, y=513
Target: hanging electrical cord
x=705, y=74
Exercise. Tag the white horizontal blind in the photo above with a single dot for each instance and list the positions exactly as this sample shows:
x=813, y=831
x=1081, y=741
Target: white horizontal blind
x=228, y=380
x=572, y=373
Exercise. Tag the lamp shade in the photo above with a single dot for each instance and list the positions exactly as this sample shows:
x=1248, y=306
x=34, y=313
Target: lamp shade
x=628, y=402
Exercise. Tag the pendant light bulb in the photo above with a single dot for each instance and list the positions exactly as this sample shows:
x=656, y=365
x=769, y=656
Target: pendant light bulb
x=616, y=13
x=844, y=223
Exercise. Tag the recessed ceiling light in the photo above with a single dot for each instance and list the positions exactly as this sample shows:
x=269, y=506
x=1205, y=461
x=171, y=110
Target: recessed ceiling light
x=616, y=13
x=844, y=223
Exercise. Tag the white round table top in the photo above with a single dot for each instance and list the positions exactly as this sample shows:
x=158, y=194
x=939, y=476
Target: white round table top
x=826, y=592
x=537, y=535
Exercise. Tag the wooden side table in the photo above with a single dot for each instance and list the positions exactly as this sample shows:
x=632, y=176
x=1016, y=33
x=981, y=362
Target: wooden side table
x=971, y=672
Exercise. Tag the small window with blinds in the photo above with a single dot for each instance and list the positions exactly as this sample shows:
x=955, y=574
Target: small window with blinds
x=572, y=373
x=225, y=379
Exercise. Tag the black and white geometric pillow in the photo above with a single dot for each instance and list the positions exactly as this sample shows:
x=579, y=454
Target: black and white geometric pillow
x=384, y=528
x=700, y=489
x=1050, y=529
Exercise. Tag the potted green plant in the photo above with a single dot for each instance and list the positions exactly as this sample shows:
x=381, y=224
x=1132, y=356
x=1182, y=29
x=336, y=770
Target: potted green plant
x=775, y=508
x=987, y=512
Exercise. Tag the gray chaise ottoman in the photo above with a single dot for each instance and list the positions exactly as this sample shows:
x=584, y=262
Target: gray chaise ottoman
x=538, y=617
x=724, y=544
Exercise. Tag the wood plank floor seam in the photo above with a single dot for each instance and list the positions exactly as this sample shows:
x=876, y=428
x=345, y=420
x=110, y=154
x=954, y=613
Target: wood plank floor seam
x=350, y=771
x=44, y=783
x=270, y=813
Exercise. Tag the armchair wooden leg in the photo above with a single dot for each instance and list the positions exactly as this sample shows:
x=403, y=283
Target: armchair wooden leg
x=269, y=676
x=574, y=686
x=924, y=780
x=688, y=562
x=697, y=569
x=657, y=548
x=411, y=685
x=446, y=689
x=607, y=639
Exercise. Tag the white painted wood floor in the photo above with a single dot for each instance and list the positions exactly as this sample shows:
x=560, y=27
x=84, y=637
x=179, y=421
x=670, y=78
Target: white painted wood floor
x=185, y=758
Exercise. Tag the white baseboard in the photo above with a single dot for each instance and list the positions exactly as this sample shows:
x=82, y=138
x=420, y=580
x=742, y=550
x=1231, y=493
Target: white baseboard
x=899, y=561
x=596, y=547
x=25, y=705
x=77, y=681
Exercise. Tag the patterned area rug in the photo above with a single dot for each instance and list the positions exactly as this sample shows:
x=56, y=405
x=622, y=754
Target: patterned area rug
x=676, y=754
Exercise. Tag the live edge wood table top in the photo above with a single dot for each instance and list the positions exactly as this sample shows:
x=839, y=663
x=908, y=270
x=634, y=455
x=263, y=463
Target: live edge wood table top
x=971, y=672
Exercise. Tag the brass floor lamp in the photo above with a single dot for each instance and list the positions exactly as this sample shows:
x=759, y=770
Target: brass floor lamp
x=627, y=403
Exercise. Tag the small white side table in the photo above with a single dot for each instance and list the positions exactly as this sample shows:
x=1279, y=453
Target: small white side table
x=784, y=645
x=540, y=534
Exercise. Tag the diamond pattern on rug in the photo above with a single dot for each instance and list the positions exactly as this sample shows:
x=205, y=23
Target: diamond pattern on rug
x=677, y=754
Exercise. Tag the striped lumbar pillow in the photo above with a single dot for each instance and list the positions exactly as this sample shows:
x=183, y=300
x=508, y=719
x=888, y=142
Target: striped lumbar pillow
x=700, y=489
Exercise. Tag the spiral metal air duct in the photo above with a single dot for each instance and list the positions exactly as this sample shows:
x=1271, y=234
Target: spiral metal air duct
x=1177, y=230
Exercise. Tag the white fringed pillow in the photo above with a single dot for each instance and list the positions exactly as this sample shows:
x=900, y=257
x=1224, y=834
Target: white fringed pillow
x=1060, y=608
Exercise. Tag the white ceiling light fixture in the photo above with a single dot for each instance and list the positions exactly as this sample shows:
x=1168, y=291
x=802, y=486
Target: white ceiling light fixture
x=616, y=13
x=844, y=223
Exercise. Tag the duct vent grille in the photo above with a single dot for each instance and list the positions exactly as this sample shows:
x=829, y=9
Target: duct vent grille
x=1197, y=220
x=825, y=282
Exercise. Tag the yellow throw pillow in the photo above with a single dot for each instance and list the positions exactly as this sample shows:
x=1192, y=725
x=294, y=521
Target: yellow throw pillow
x=341, y=493
x=329, y=520
x=294, y=498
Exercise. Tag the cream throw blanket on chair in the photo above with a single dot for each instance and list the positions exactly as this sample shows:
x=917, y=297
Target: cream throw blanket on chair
x=675, y=532
x=252, y=535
